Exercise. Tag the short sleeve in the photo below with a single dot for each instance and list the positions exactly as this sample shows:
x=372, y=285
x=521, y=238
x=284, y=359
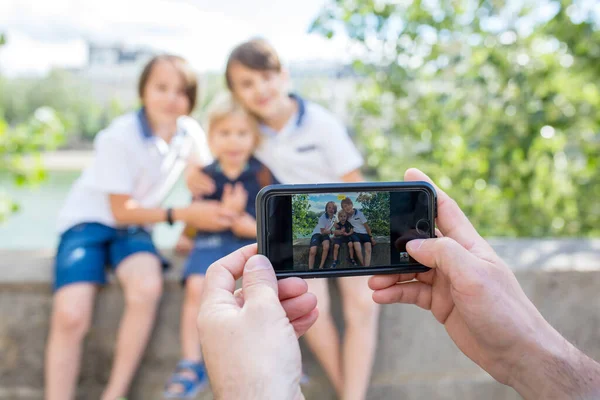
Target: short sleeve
x=362, y=218
x=352, y=158
x=114, y=169
x=200, y=152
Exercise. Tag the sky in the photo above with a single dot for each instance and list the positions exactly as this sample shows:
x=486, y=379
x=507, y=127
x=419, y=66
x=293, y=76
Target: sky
x=317, y=201
x=46, y=33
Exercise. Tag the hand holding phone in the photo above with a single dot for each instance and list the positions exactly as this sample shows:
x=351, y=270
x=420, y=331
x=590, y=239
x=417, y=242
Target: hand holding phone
x=295, y=221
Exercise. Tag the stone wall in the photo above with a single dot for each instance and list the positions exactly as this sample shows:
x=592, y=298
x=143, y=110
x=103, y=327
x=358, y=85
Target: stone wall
x=415, y=358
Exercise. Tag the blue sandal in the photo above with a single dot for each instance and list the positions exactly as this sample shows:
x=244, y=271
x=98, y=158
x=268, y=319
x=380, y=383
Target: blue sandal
x=191, y=386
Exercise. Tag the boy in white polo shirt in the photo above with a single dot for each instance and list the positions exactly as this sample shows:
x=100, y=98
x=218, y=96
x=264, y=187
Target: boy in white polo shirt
x=106, y=222
x=298, y=138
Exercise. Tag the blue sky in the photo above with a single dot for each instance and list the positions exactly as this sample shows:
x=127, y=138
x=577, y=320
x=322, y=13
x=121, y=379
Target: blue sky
x=317, y=201
x=46, y=33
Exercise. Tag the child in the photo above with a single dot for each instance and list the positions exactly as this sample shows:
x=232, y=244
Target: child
x=362, y=230
x=344, y=232
x=232, y=138
x=321, y=234
x=106, y=221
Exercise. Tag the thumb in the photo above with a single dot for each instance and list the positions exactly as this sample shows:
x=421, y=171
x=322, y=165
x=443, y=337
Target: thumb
x=259, y=279
x=446, y=255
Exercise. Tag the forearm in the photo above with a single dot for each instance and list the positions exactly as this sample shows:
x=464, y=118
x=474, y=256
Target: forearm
x=556, y=369
x=132, y=214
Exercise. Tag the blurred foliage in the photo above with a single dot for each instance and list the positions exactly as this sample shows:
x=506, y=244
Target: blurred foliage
x=376, y=207
x=20, y=147
x=497, y=101
x=62, y=91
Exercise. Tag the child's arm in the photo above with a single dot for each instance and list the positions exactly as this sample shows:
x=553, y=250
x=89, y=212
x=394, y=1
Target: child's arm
x=244, y=227
x=351, y=232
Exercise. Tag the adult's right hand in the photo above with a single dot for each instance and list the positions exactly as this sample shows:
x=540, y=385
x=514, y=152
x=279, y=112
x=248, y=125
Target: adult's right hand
x=486, y=313
x=208, y=216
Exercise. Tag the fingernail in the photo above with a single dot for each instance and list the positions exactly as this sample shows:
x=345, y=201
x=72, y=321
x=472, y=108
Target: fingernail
x=416, y=244
x=257, y=264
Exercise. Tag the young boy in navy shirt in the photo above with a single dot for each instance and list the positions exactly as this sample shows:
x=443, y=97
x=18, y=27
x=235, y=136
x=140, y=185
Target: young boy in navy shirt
x=238, y=177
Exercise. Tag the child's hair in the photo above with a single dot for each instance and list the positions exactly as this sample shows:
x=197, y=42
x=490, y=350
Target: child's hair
x=255, y=54
x=347, y=201
x=222, y=107
x=334, y=207
x=182, y=66
x=341, y=212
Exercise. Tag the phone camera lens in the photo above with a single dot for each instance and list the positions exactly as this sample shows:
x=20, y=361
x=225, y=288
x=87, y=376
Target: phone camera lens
x=423, y=227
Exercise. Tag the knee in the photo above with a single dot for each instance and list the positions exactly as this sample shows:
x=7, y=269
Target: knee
x=368, y=250
x=361, y=310
x=313, y=251
x=336, y=246
x=72, y=320
x=193, y=288
x=144, y=290
x=325, y=245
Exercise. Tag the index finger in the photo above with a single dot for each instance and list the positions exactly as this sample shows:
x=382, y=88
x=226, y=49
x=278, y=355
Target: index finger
x=222, y=274
x=451, y=221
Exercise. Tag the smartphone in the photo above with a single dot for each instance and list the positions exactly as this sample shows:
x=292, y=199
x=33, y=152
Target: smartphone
x=322, y=230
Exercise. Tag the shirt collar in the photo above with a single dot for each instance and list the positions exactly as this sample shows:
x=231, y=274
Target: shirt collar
x=294, y=122
x=145, y=128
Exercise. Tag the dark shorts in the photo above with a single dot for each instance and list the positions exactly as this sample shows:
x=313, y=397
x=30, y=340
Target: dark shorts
x=86, y=250
x=209, y=248
x=317, y=239
x=362, y=237
x=339, y=240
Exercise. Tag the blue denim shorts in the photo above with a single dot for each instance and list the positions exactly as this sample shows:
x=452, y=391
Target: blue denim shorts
x=210, y=247
x=86, y=250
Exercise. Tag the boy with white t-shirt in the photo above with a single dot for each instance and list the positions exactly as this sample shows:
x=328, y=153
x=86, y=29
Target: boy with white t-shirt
x=362, y=230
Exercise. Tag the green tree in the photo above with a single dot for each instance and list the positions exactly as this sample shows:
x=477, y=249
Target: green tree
x=376, y=207
x=301, y=216
x=20, y=147
x=497, y=101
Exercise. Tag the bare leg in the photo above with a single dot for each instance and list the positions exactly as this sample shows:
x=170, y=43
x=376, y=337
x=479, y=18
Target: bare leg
x=351, y=249
x=140, y=276
x=71, y=319
x=190, y=343
x=368, y=254
x=325, y=253
x=358, y=251
x=322, y=337
x=312, y=253
x=361, y=319
x=336, y=249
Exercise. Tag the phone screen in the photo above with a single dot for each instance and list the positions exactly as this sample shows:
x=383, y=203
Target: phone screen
x=309, y=232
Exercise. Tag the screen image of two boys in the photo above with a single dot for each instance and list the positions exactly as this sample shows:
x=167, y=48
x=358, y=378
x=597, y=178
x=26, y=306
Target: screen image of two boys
x=340, y=230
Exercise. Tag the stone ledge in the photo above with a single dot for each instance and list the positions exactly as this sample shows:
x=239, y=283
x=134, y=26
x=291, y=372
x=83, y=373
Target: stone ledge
x=35, y=266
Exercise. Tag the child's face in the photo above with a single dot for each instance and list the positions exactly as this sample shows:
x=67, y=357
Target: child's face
x=347, y=207
x=261, y=92
x=231, y=139
x=343, y=217
x=330, y=209
x=164, y=96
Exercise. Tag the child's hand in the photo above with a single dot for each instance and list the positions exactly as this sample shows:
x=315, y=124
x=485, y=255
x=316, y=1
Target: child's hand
x=184, y=244
x=373, y=242
x=235, y=197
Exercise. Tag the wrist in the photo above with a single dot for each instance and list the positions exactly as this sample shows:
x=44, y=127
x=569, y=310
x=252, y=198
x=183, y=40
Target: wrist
x=180, y=214
x=553, y=368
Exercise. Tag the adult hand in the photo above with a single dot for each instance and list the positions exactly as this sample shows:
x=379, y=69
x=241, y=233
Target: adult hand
x=484, y=310
x=198, y=182
x=250, y=338
x=235, y=197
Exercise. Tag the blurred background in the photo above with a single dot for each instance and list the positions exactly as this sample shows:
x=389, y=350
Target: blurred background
x=497, y=100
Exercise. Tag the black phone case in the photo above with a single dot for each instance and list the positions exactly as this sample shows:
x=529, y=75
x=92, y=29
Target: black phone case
x=273, y=190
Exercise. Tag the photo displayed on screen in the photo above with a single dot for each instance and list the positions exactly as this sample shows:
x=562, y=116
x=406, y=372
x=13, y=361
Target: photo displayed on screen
x=341, y=230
